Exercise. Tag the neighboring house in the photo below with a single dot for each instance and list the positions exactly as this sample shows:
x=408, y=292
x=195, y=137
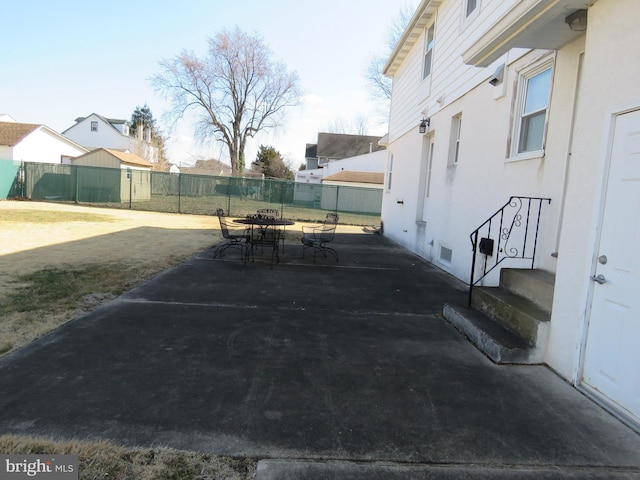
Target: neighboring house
x=208, y=167
x=365, y=166
x=336, y=146
x=123, y=177
x=365, y=161
x=96, y=131
x=536, y=98
x=35, y=143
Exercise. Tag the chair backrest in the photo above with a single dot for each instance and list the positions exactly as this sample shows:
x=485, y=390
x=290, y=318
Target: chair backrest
x=331, y=218
x=273, y=212
x=224, y=223
x=326, y=232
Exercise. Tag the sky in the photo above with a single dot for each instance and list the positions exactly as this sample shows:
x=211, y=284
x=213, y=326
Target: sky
x=67, y=59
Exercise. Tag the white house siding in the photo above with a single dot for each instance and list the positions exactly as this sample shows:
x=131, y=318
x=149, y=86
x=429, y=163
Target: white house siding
x=107, y=136
x=463, y=196
x=609, y=86
x=44, y=147
x=369, y=162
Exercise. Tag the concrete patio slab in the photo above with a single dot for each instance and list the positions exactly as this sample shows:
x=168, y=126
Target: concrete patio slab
x=303, y=365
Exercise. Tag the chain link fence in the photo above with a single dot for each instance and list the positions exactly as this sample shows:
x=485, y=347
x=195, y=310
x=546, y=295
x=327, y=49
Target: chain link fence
x=185, y=193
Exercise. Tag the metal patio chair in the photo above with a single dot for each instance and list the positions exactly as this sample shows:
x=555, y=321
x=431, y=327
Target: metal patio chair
x=234, y=237
x=319, y=237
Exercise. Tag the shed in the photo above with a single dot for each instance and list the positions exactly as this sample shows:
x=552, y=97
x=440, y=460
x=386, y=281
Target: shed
x=113, y=176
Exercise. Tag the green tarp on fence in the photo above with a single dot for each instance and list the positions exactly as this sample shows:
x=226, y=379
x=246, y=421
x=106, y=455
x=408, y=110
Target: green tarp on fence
x=198, y=194
x=10, y=185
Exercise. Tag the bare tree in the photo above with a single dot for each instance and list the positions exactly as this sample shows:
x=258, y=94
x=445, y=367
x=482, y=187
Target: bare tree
x=380, y=85
x=236, y=90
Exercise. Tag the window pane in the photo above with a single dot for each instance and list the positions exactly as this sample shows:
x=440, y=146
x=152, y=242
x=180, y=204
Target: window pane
x=427, y=64
x=537, y=92
x=428, y=52
x=471, y=6
x=531, y=132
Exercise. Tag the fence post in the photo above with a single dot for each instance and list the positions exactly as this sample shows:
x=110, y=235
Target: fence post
x=179, y=192
x=337, y=196
x=76, y=171
x=23, y=187
x=130, y=177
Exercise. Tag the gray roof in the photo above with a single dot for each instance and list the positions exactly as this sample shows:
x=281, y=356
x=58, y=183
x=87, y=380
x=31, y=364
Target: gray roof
x=339, y=145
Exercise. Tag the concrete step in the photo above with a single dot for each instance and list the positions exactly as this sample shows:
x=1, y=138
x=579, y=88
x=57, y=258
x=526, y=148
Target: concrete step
x=516, y=313
x=500, y=344
x=535, y=285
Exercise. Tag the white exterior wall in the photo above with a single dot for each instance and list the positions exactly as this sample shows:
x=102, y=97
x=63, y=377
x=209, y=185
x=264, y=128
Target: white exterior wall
x=106, y=137
x=369, y=162
x=609, y=86
x=44, y=147
x=463, y=196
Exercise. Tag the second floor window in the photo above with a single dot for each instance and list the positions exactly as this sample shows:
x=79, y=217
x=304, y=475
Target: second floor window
x=94, y=126
x=428, y=51
x=471, y=6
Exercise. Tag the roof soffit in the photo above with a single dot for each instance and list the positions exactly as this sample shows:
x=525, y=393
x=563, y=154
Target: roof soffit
x=421, y=18
x=528, y=24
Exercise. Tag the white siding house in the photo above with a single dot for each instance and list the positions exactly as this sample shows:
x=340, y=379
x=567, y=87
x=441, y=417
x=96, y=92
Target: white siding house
x=368, y=162
x=539, y=99
x=96, y=131
x=35, y=143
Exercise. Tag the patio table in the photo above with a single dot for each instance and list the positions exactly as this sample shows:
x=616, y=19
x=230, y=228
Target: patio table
x=260, y=236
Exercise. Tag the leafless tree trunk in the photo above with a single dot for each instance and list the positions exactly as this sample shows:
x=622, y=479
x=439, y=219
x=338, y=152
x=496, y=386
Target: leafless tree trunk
x=235, y=90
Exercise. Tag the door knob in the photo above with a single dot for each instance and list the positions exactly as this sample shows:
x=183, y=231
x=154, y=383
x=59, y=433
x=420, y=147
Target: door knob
x=603, y=259
x=600, y=279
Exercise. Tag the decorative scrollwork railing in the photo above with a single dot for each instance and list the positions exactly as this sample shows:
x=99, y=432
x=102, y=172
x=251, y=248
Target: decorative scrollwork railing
x=514, y=228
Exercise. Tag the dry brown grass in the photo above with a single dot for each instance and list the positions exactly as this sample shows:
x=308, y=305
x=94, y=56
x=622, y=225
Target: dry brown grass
x=103, y=460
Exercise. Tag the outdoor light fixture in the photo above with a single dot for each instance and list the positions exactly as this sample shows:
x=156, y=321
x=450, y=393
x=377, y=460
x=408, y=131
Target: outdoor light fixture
x=577, y=21
x=424, y=124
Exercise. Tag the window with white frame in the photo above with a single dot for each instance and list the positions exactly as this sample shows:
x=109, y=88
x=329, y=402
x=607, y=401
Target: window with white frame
x=428, y=51
x=389, y=172
x=534, y=89
x=94, y=126
x=454, y=145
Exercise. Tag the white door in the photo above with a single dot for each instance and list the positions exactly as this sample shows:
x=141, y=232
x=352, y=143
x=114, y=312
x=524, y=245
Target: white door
x=612, y=352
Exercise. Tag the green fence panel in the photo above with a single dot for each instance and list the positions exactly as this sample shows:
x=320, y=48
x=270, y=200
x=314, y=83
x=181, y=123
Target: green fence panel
x=48, y=181
x=10, y=179
x=197, y=194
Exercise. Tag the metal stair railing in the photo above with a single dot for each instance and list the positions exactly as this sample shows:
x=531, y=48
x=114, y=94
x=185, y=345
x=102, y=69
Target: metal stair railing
x=518, y=223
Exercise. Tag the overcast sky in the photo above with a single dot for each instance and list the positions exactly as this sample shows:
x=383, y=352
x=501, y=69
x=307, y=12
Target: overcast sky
x=66, y=59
